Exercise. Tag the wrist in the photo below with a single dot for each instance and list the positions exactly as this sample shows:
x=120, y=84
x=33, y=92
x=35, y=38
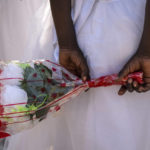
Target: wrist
x=68, y=45
x=67, y=40
x=143, y=50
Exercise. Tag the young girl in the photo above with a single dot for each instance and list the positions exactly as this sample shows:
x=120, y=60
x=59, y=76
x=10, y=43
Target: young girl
x=95, y=37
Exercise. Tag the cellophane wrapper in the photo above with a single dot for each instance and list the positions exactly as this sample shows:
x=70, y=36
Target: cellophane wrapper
x=29, y=91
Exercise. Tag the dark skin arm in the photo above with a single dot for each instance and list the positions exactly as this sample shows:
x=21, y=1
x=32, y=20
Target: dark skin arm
x=70, y=56
x=140, y=61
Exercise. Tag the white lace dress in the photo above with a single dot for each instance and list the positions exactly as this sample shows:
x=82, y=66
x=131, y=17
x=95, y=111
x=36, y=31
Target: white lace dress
x=108, y=32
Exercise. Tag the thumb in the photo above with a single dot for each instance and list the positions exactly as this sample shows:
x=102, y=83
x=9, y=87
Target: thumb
x=85, y=73
x=85, y=77
x=124, y=72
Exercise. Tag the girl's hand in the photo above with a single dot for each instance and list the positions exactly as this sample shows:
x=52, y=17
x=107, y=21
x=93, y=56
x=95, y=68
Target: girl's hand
x=139, y=62
x=70, y=55
x=74, y=61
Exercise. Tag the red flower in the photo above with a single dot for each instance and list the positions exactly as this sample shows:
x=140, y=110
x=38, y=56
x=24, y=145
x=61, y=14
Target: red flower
x=77, y=78
x=43, y=70
x=43, y=90
x=63, y=85
x=76, y=86
x=54, y=95
x=67, y=76
x=54, y=69
x=34, y=97
x=57, y=108
x=34, y=75
x=49, y=80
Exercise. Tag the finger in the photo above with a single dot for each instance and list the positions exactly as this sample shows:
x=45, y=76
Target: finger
x=84, y=72
x=130, y=67
x=72, y=70
x=85, y=77
x=135, y=85
x=81, y=67
x=144, y=88
x=70, y=67
x=124, y=72
x=129, y=85
x=146, y=79
x=122, y=90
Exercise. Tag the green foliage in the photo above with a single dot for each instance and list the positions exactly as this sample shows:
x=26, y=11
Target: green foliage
x=23, y=65
x=35, y=84
x=41, y=88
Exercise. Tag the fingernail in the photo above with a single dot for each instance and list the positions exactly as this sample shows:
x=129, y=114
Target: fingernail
x=120, y=93
x=135, y=84
x=140, y=89
x=84, y=78
x=130, y=80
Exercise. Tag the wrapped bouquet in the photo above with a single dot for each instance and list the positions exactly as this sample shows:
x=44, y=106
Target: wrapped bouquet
x=28, y=91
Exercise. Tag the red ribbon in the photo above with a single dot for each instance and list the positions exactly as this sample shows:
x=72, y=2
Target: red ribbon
x=112, y=80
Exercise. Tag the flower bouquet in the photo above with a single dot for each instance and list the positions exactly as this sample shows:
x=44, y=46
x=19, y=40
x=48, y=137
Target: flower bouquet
x=30, y=90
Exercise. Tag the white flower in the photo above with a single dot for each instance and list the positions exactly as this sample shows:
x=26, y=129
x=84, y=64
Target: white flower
x=12, y=95
x=11, y=71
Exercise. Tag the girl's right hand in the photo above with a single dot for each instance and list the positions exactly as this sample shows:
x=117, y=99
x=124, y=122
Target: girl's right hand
x=74, y=61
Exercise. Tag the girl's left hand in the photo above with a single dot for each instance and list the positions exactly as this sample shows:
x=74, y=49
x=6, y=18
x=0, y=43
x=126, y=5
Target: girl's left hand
x=139, y=62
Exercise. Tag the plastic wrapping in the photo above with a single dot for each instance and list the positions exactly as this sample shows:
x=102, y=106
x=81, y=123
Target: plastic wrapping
x=30, y=90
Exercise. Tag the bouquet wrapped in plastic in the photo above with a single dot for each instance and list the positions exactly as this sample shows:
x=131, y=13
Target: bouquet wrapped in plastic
x=30, y=90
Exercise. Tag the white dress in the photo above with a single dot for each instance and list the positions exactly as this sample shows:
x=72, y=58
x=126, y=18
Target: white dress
x=108, y=32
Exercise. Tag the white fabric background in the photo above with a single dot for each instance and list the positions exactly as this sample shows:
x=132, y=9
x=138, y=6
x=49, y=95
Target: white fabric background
x=25, y=29
x=108, y=32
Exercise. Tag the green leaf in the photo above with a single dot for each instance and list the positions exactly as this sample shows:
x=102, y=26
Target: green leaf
x=23, y=65
x=35, y=79
x=21, y=108
x=43, y=70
